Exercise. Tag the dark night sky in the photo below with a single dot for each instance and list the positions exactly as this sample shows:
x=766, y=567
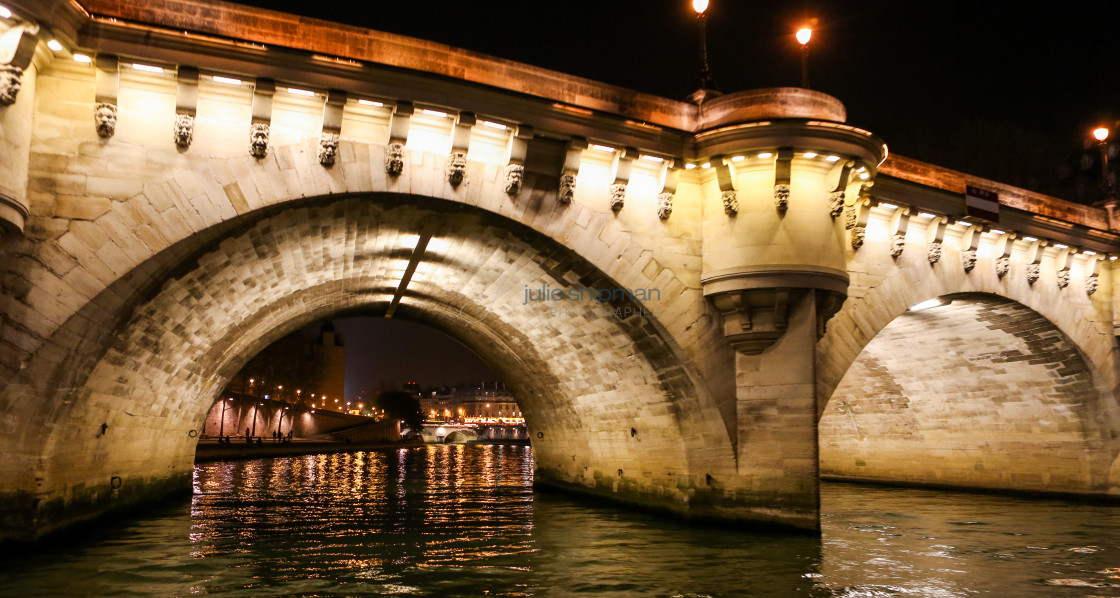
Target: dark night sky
x=1001, y=89
x=1004, y=90
x=383, y=353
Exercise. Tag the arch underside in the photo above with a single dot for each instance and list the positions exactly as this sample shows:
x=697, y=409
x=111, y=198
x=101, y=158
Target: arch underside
x=585, y=373
x=983, y=392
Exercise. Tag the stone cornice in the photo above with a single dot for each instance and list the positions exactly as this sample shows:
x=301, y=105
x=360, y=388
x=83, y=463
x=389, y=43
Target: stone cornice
x=945, y=179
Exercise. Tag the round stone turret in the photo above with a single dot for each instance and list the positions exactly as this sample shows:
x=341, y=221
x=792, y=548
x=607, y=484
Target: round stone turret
x=777, y=168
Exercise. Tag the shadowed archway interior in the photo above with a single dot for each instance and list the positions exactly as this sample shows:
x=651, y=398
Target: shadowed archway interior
x=981, y=392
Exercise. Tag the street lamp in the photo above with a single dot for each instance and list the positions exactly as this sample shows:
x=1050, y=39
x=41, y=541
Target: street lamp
x=803, y=36
x=701, y=7
x=222, y=424
x=1101, y=135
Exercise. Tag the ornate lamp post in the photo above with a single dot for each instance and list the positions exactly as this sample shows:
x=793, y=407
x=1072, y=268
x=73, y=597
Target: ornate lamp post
x=1101, y=135
x=707, y=86
x=803, y=36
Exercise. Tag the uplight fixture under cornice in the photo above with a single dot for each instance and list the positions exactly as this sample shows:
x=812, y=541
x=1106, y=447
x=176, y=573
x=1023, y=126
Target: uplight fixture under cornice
x=929, y=304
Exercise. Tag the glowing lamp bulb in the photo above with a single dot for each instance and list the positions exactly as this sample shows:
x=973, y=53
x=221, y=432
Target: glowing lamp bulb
x=1100, y=133
x=803, y=35
x=699, y=6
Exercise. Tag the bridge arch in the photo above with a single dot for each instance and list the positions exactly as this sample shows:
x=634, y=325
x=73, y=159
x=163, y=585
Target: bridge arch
x=586, y=373
x=1008, y=385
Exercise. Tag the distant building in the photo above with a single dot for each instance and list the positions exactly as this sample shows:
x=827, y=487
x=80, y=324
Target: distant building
x=328, y=358
x=296, y=370
x=488, y=402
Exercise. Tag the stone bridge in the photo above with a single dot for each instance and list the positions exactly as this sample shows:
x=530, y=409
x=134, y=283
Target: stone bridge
x=702, y=308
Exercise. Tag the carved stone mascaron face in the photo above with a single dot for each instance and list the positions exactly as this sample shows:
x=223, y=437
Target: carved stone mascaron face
x=394, y=159
x=328, y=149
x=456, y=168
x=184, y=130
x=515, y=175
x=9, y=84
x=105, y=117
x=258, y=140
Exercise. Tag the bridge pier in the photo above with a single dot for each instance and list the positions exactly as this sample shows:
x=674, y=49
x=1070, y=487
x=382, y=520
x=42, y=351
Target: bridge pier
x=777, y=423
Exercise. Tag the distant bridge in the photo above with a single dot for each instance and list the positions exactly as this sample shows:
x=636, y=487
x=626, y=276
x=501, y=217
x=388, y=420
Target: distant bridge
x=209, y=178
x=452, y=433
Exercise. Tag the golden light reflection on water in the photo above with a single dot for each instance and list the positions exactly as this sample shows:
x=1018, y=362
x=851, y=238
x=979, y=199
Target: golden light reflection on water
x=463, y=521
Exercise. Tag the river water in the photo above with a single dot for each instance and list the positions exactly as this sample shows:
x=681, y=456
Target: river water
x=464, y=521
